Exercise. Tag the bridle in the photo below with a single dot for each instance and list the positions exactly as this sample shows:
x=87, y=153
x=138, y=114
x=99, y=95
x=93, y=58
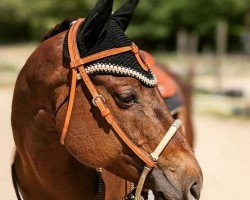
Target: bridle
x=77, y=69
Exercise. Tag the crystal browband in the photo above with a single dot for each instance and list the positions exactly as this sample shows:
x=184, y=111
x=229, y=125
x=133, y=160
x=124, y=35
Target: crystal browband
x=118, y=70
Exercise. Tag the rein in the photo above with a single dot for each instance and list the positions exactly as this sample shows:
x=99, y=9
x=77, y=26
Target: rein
x=77, y=69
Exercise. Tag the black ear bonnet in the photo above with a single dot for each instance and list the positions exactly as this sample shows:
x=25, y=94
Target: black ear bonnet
x=111, y=36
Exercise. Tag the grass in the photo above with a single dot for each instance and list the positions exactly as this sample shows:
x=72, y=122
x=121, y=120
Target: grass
x=8, y=75
x=199, y=90
x=221, y=106
x=7, y=85
x=221, y=115
x=8, y=68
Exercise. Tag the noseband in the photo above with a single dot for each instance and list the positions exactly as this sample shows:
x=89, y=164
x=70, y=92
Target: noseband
x=77, y=69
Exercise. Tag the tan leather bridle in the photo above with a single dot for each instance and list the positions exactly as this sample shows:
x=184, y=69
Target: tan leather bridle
x=77, y=65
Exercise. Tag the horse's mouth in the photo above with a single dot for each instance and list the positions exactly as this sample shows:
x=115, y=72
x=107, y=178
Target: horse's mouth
x=163, y=188
x=159, y=196
x=166, y=188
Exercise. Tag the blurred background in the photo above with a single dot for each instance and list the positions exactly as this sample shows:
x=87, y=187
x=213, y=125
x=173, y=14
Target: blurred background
x=209, y=39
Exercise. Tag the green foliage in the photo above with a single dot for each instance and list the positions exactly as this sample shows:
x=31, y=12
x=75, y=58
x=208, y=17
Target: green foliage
x=30, y=19
x=12, y=20
x=159, y=20
x=154, y=22
x=45, y=14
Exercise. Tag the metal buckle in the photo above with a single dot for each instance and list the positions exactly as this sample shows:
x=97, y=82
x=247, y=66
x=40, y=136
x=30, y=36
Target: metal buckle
x=97, y=97
x=153, y=158
x=135, y=48
x=78, y=76
x=73, y=22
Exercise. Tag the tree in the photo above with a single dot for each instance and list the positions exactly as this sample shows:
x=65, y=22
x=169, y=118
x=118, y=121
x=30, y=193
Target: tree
x=156, y=23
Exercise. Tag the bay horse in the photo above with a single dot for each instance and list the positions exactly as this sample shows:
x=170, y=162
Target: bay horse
x=135, y=118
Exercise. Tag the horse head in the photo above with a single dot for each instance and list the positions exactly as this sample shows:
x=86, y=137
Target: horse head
x=130, y=94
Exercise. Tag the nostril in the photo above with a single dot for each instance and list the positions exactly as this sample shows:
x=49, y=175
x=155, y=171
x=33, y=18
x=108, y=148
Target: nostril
x=195, y=190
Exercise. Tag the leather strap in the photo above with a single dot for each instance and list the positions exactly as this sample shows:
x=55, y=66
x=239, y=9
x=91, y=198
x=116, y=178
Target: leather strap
x=100, y=55
x=71, y=45
x=98, y=100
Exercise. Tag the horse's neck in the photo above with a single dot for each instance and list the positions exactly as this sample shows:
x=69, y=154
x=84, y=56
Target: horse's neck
x=54, y=174
x=56, y=179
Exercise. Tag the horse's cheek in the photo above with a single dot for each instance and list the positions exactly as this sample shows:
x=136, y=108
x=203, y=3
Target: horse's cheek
x=93, y=149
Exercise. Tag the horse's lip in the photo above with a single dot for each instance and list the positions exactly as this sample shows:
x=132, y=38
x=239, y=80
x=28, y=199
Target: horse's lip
x=169, y=186
x=170, y=183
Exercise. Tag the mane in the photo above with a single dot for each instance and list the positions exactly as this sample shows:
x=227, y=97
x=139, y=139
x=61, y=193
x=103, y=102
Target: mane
x=63, y=26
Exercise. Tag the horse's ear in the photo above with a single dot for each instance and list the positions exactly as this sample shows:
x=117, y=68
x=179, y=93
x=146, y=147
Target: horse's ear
x=124, y=14
x=95, y=24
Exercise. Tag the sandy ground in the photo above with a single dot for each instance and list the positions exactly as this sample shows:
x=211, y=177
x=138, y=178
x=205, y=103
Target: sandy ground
x=222, y=149
x=6, y=145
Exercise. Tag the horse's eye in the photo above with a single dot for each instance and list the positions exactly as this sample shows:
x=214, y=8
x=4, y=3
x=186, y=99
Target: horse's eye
x=128, y=97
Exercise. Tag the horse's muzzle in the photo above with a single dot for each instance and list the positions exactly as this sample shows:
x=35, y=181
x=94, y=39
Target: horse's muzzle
x=166, y=188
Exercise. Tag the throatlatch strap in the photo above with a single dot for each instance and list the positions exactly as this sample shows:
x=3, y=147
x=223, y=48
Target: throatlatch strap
x=78, y=63
x=71, y=45
x=70, y=105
